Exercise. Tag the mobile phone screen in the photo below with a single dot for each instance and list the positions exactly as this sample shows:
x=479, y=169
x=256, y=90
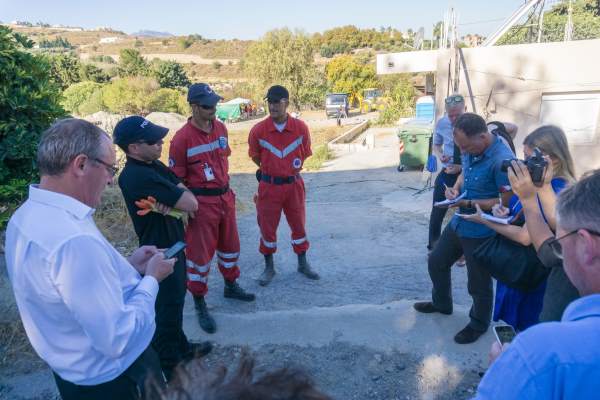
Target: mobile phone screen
x=504, y=333
x=173, y=250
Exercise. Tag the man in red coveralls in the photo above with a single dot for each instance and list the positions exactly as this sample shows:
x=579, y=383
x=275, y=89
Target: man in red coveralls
x=279, y=145
x=198, y=156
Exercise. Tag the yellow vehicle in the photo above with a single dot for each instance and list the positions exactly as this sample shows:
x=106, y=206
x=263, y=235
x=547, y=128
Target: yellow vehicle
x=371, y=100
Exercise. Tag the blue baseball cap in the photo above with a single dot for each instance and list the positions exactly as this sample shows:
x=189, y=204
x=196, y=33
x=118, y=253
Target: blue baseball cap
x=202, y=94
x=137, y=129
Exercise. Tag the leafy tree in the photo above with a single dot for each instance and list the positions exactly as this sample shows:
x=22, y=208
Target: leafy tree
x=401, y=99
x=165, y=100
x=28, y=105
x=89, y=72
x=131, y=63
x=348, y=74
x=65, y=69
x=129, y=95
x=76, y=95
x=585, y=17
x=59, y=42
x=281, y=57
x=170, y=74
x=185, y=42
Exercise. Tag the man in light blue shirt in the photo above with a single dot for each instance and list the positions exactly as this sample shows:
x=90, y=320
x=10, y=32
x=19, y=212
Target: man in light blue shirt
x=561, y=360
x=443, y=148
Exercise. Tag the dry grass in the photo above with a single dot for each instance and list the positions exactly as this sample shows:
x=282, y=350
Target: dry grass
x=16, y=354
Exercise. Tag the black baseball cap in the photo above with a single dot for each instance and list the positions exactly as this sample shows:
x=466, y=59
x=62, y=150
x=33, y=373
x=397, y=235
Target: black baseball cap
x=202, y=94
x=137, y=129
x=276, y=93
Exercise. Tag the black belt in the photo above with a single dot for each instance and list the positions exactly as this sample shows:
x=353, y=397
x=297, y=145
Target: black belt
x=210, y=192
x=279, y=180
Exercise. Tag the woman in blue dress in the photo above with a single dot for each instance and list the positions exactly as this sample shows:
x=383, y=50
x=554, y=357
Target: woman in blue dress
x=515, y=307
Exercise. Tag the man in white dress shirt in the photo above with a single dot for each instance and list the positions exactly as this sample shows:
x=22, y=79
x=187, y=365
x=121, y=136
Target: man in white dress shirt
x=87, y=310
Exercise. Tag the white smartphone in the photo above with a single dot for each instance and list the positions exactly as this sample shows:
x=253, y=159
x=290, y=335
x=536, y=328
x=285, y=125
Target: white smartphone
x=504, y=333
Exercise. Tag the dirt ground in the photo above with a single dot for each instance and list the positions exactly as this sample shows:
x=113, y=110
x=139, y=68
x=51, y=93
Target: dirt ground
x=354, y=330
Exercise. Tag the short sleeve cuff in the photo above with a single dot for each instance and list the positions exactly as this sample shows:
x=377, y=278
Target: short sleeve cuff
x=149, y=284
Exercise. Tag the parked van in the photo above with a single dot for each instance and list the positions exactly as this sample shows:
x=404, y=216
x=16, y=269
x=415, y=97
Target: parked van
x=337, y=103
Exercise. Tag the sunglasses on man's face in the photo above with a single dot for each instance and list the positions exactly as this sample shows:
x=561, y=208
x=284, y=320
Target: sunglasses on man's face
x=456, y=99
x=557, y=247
x=205, y=107
x=150, y=142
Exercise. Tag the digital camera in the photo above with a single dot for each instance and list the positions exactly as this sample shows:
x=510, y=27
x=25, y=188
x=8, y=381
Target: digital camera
x=536, y=164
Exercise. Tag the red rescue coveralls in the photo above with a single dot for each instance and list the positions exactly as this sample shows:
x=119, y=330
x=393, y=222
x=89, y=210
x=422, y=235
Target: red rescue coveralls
x=281, y=188
x=199, y=159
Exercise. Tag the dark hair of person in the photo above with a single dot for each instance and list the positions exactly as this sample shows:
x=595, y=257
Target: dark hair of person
x=471, y=124
x=194, y=381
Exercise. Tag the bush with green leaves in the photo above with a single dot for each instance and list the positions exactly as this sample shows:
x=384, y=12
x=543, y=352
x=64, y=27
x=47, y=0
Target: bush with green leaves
x=170, y=74
x=59, y=42
x=401, y=100
x=65, y=69
x=131, y=63
x=29, y=103
x=79, y=93
x=165, y=100
x=89, y=72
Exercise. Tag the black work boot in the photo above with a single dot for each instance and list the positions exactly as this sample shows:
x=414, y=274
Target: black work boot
x=304, y=267
x=267, y=276
x=206, y=321
x=233, y=291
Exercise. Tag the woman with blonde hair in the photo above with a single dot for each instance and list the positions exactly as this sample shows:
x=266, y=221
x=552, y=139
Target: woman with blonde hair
x=515, y=307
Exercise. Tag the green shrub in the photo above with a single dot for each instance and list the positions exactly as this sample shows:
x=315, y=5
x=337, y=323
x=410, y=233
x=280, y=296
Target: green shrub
x=76, y=95
x=29, y=103
x=170, y=74
x=93, y=104
x=129, y=95
x=165, y=100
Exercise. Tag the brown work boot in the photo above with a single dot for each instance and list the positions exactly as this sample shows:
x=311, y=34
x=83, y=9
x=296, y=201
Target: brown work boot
x=304, y=267
x=267, y=276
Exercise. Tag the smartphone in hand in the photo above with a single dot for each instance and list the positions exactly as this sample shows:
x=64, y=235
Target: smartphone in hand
x=504, y=333
x=174, y=250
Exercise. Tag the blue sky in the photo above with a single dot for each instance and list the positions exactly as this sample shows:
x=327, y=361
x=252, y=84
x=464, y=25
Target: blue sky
x=251, y=19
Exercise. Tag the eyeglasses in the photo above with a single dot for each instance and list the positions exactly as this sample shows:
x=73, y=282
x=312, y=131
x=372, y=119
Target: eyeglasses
x=557, y=247
x=112, y=169
x=150, y=142
x=205, y=107
x=454, y=99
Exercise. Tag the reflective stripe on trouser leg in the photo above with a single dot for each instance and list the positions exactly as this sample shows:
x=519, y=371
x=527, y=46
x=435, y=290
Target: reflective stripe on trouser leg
x=295, y=213
x=201, y=237
x=268, y=214
x=228, y=245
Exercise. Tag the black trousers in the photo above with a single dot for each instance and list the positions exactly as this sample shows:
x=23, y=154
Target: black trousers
x=438, y=213
x=169, y=341
x=448, y=249
x=130, y=385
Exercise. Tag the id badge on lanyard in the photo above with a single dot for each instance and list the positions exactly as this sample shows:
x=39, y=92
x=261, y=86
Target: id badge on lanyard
x=208, y=172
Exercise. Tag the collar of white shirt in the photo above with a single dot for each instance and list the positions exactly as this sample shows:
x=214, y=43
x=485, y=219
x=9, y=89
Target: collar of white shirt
x=59, y=200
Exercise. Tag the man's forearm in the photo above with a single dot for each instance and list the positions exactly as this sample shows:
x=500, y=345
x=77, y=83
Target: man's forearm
x=256, y=161
x=438, y=150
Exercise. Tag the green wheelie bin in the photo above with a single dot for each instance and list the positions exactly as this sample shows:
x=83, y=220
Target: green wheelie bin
x=414, y=143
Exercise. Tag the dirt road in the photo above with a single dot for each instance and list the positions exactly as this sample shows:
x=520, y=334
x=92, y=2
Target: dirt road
x=355, y=329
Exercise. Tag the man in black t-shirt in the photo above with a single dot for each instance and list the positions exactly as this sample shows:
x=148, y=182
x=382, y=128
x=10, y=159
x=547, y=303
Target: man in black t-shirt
x=142, y=177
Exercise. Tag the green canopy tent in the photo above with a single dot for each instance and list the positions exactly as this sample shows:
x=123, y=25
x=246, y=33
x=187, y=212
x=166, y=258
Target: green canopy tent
x=231, y=110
